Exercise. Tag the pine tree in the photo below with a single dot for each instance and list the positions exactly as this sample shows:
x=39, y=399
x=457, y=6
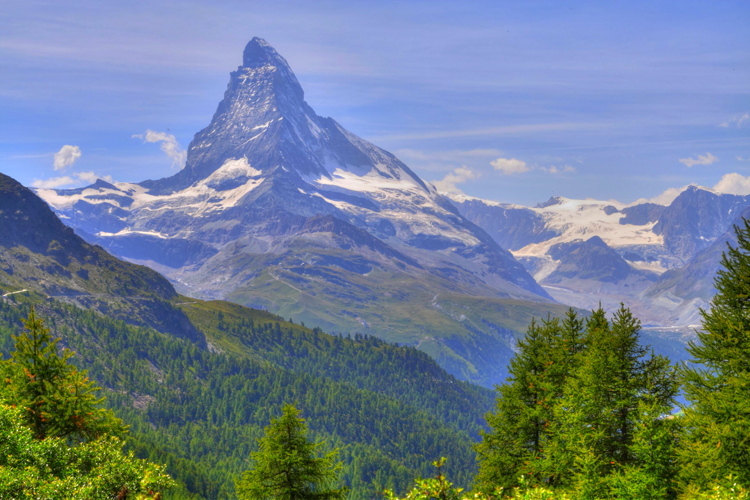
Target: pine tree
x=57, y=399
x=717, y=420
x=286, y=466
x=520, y=442
x=613, y=409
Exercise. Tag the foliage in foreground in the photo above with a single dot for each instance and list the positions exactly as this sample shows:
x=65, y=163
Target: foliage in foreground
x=716, y=443
x=55, y=398
x=51, y=469
x=287, y=465
x=56, y=441
x=584, y=410
x=440, y=488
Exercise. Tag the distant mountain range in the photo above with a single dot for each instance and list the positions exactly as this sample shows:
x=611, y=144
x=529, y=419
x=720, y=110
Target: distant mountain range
x=659, y=260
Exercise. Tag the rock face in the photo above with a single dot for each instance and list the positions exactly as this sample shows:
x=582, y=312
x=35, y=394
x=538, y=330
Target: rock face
x=40, y=254
x=696, y=218
x=513, y=227
x=591, y=259
x=660, y=260
x=280, y=208
x=642, y=214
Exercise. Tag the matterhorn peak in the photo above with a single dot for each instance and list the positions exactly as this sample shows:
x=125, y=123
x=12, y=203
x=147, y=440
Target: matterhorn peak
x=263, y=117
x=259, y=53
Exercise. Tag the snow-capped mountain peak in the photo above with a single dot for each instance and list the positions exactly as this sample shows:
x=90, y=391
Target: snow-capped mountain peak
x=265, y=165
x=259, y=54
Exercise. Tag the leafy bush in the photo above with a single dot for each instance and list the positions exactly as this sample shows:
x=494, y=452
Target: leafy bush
x=49, y=468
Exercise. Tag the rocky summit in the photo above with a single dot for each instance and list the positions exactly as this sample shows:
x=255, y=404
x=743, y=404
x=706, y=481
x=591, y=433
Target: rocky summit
x=283, y=209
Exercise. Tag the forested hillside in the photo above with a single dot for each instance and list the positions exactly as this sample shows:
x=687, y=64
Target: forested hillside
x=390, y=410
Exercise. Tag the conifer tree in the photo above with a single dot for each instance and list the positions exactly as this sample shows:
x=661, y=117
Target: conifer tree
x=716, y=443
x=57, y=400
x=286, y=466
x=613, y=411
x=521, y=442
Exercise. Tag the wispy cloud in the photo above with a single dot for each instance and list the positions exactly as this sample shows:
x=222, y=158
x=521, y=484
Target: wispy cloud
x=169, y=145
x=73, y=180
x=492, y=131
x=554, y=169
x=459, y=175
x=706, y=159
x=738, y=121
x=510, y=166
x=456, y=155
x=445, y=161
x=66, y=157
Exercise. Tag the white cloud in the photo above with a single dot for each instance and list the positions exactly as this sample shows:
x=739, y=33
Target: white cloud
x=509, y=166
x=169, y=145
x=733, y=183
x=66, y=157
x=74, y=180
x=706, y=159
x=53, y=183
x=553, y=169
x=459, y=175
x=738, y=121
x=665, y=198
x=739, y=158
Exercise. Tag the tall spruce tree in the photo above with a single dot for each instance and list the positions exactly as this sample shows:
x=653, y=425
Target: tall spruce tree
x=716, y=443
x=520, y=440
x=613, y=408
x=57, y=399
x=286, y=467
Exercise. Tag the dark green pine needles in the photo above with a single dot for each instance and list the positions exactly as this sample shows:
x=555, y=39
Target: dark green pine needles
x=287, y=465
x=585, y=409
x=717, y=438
x=57, y=399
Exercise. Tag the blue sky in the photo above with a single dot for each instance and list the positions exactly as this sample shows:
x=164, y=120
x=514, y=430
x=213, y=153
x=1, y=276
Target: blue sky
x=505, y=100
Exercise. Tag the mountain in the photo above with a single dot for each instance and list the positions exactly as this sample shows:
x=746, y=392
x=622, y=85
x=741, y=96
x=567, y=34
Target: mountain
x=282, y=209
x=197, y=381
x=590, y=273
x=686, y=289
x=40, y=254
x=696, y=218
x=591, y=259
x=660, y=260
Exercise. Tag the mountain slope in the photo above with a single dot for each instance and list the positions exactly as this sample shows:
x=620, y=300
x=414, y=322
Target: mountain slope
x=276, y=203
x=684, y=290
x=41, y=254
x=200, y=410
